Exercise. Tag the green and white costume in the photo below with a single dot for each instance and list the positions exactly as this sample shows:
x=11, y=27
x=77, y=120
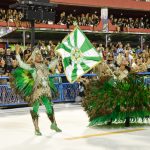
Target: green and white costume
x=33, y=83
x=40, y=75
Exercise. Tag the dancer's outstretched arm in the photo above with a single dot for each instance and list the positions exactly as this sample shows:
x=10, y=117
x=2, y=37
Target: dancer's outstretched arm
x=21, y=63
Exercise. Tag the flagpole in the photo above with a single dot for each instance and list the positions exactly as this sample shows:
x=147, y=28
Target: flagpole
x=110, y=70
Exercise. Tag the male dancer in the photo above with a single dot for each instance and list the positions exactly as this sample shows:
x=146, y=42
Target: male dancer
x=41, y=91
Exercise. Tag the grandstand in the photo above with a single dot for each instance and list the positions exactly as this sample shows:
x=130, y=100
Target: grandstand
x=124, y=13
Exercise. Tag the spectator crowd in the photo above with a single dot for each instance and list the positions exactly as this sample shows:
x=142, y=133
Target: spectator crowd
x=17, y=16
x=87, y=19
x=11, y=15
x=8, y=60
x=126, y=23
x=81, y=20
x=121, y=59
x=135, y=59
x=116, y=55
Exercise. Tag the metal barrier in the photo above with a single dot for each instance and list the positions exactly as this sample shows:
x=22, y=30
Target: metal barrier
x=146, y=77
x=67, y=92
x=7, y=97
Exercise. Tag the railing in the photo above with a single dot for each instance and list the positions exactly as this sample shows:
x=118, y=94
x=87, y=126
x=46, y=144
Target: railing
x=54, y=26
x=67, y=92
x=98, y=28
x=146, y=77
x=112, y=28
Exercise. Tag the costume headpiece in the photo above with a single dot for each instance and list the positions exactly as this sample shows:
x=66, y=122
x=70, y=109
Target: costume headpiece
x=34, y=53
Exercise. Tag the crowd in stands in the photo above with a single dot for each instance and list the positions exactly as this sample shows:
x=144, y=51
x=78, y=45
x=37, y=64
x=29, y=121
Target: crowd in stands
x=16, y=16
x=115, y=55
x=88, y=19
x=124, y=59
x=11, y=15
x=8, y=60
x=126, y=23
x=81, y=20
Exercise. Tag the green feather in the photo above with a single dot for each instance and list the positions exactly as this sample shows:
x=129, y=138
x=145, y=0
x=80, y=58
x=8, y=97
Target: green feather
x=105, y=101
x=24, y=81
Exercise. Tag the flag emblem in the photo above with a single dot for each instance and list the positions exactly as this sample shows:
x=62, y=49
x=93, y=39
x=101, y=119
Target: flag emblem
x=78, y=55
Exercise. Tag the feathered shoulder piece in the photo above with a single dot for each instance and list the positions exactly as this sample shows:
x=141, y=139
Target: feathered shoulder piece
x=22, y=81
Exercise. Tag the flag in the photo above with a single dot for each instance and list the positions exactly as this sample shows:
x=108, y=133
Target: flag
x=78, y=55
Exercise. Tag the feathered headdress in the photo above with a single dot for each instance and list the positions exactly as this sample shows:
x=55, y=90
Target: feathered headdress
x=34, y=53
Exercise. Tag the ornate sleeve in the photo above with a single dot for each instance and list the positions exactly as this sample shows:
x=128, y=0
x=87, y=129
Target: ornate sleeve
x=52, y=65
x=22, y=64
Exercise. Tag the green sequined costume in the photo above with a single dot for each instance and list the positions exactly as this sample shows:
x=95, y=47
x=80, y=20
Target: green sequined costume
x=32, y=82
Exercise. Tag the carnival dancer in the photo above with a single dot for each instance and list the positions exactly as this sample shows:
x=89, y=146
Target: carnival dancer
x=118, y=96
x=33, y=83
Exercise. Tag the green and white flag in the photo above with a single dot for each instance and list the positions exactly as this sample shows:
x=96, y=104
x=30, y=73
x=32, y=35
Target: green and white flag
x=78, y=55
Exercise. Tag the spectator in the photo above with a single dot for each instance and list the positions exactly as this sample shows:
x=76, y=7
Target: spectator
x=50, y=44
x=4, y=15
x=62, y=18
x=100, y=49
x=1, y=14
x=105, y=52
x=3, y=71
x=120, y=49
x=129, y=58
x=68, y=22
x=138, y=50
x=27, y=54
x=14, y=64
x=95, y=19
x=148, y=65
x=2, y=67
x=8, y=59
